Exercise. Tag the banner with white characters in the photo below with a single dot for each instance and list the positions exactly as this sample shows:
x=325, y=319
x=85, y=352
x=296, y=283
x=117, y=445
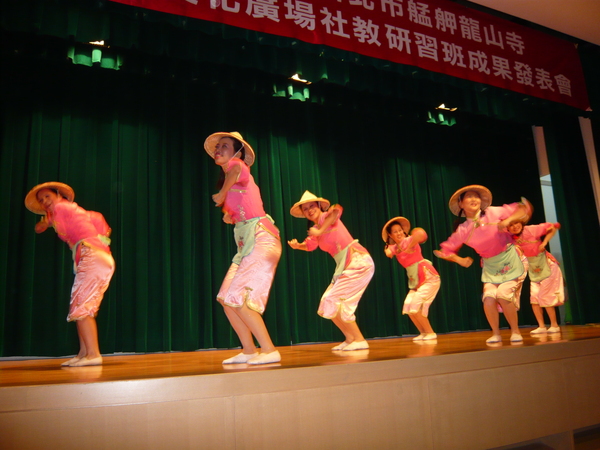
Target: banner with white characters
x=436, y=35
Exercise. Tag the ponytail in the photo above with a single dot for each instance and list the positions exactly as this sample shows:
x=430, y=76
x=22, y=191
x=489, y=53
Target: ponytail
x=457, y=221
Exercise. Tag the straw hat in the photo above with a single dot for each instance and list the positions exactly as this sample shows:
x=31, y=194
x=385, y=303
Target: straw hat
x=31, y=201
x=308, y=197
x=210, y=145
x=529, y=212
x=484, y=193
x=529, y=207
x=404, y=223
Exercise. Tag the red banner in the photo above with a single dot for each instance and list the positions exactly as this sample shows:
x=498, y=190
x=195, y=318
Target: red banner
x=436, y=35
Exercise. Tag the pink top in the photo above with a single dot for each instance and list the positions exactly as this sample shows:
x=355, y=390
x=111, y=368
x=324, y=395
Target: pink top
x=531, y=238
x=335, y=239
x=406, y=258
x=74, y=224
x=243, y=201
x=482, y=234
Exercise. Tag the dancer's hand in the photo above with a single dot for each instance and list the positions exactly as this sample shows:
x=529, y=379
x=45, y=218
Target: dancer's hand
x=464, y=262
x=219, y=198
x=503, y=225
x=41, y=226
x=294, y=244
x=388, y=252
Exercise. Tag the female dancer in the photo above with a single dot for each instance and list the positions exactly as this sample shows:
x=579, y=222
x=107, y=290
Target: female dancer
x=423, y=280
x=245, y=289
x=87, y=234
x=504, y=268
x=354, y=268
x=547, y=288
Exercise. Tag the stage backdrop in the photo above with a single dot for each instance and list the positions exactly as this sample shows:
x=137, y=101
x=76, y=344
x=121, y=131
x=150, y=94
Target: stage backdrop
x=135, y=154
x=129, y=142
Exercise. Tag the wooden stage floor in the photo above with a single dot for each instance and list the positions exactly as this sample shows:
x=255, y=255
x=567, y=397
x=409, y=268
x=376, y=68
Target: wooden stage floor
x=33, y=372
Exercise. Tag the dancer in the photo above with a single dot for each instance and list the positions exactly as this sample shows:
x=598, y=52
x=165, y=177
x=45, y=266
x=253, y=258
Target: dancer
x=354, y=268
x=504, y=268
x=423, y=280
x=245, y=289
x=547, y=287
x=87, y=234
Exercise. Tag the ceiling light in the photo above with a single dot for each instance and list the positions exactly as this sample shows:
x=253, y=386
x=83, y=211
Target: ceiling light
x=296, y=77
x=443, y=106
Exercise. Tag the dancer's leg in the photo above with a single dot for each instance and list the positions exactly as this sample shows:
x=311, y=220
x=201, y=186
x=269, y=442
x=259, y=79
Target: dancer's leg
x=255, y=323
x=492, y=315
x=539, y=315
x=241, y=329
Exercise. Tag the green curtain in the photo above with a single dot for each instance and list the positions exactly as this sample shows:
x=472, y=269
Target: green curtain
x=577, y=214
x=131, y=147
x=129, y=141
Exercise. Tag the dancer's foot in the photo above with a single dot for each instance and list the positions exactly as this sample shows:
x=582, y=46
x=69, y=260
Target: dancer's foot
x=554, y=330
x=341, y=346
x=429, y=336
x=88, y=362
x=266, y=358
x=539, y=330
x=494, y=339
x=516, y=337
x=240, y=358
x=71, y=361
x=360, y=345
x=419, y=337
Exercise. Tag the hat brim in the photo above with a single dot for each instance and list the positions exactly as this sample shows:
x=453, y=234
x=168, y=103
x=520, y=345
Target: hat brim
x=404, y=223
x=296, y=210
x=210, y=145
x=529, y=208
x=32, y=203
x=484, y=194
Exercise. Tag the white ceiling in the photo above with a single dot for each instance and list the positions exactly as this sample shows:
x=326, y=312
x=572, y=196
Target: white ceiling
x=577, y=18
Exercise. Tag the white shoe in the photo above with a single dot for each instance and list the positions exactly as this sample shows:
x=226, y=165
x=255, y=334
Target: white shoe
x=71, y=361
x=240, y=358
x=554, y=330
x=266, y=358
x=419, y=337
x=429, y=336
x=495, y=338
x=360, y=345
x=539, y=330
x=87, y=362
x=516, y=337
x=341, y=346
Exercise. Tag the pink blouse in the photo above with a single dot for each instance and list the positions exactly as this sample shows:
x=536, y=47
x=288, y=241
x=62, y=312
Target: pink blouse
x=335, y=239
x=531, y=238
x=74, y=224
x=243, y=201
x=406, y=258
x=482, y=234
